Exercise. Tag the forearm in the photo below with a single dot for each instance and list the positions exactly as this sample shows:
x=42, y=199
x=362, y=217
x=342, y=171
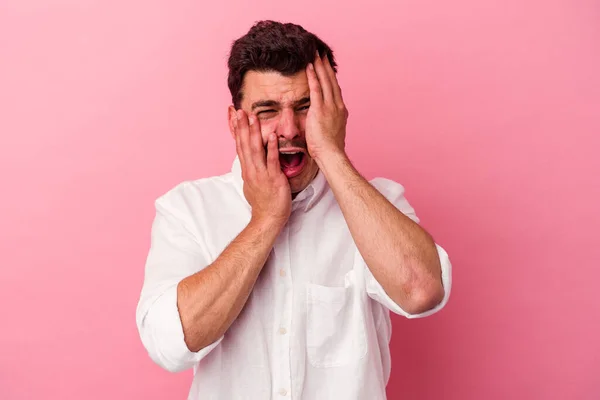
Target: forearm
x=210, y=300
x=399, y=253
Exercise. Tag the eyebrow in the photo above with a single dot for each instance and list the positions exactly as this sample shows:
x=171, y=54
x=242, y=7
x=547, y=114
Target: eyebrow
x=273, y=103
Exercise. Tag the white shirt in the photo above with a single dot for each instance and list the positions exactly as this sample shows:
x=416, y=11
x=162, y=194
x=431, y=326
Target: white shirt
x=316, y=325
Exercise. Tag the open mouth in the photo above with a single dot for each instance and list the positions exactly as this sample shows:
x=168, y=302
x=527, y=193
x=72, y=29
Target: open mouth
x=292, y=162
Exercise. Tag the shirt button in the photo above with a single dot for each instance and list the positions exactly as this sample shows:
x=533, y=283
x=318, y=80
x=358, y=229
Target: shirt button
x=282, y=272
x=282, y=331
x=283, y=392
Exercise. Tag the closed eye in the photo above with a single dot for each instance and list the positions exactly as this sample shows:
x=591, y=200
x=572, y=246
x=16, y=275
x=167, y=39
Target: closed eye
x=304, y=108
x=265, y=112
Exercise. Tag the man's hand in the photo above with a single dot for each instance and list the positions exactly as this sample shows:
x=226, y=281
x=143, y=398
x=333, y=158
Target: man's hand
x=265, y=186
x=210, y=300
x=327, y=115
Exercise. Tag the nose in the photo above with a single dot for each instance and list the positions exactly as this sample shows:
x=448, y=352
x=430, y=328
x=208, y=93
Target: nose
x=288, y=126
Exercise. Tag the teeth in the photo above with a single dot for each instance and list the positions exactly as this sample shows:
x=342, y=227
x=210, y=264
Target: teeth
x=290, y=152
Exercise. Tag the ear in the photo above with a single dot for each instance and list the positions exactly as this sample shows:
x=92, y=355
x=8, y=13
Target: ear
x=231, y=116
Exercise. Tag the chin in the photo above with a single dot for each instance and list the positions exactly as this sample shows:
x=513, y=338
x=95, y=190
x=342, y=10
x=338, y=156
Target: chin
x=299, y=182
x=296, y=188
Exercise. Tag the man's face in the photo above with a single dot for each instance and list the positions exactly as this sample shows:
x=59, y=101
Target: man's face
x=281, y=103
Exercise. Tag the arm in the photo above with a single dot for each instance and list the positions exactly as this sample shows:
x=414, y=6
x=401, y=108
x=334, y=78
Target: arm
x=188, y=301
x=401, y=256
x=399, y=253
x=211, y=299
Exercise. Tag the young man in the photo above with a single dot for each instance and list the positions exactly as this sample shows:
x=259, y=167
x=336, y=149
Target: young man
x=275, y=280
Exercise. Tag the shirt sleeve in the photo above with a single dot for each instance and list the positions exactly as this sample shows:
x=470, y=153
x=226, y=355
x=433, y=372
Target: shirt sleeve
x=174, y=254
x=394, y=192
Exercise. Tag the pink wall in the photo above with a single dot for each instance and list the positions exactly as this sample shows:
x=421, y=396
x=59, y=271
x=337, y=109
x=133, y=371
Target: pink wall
x=487, y=111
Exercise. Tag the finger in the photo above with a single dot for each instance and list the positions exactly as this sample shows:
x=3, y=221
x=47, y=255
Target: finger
x=256, y=144
x=244, y=133
x=273, y=165
x=324, y=80
x=316, y=95
x=337, y=91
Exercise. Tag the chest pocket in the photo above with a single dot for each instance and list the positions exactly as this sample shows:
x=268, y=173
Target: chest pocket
x=335, y=324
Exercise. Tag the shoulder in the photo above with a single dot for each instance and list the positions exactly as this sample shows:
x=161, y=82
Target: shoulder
x=388, y=187
x=394, y=192
x=188, y=196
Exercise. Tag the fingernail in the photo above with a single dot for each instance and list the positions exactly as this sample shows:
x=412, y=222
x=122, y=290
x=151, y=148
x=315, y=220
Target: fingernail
x=238, y=113
x=251, y=119
x=310, y=66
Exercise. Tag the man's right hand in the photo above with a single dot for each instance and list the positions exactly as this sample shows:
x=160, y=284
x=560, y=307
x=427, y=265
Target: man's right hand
x=211, y=299
x=265, y=186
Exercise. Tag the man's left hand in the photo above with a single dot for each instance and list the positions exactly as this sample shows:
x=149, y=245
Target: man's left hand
x=327, y=115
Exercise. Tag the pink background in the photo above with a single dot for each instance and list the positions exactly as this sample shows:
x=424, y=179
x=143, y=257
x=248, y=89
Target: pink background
x=487, y=111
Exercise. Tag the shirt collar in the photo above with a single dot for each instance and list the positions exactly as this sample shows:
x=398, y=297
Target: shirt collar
x=304, y=200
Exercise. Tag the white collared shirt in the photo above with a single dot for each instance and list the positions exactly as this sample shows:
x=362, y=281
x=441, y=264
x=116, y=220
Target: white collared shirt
x=316, y=325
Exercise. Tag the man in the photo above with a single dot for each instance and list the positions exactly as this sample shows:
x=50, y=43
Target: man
x=275, y=280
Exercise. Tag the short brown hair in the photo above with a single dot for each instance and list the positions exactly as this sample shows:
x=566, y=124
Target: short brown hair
x=272, y=46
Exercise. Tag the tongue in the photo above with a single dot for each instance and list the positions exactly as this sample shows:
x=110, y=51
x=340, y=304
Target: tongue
x=290, y=160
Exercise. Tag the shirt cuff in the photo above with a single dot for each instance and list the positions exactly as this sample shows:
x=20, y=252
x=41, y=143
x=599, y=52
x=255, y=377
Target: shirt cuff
x=164, y=335
x=376, y=291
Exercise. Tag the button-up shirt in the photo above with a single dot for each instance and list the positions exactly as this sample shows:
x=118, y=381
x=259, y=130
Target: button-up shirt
x=317, y=323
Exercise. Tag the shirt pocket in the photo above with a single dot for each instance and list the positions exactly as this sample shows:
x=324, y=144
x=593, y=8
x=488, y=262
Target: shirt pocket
x=335, y=333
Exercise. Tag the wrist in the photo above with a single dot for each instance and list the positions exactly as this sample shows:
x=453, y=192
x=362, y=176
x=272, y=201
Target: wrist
x=268, y=223
x=330, y=156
